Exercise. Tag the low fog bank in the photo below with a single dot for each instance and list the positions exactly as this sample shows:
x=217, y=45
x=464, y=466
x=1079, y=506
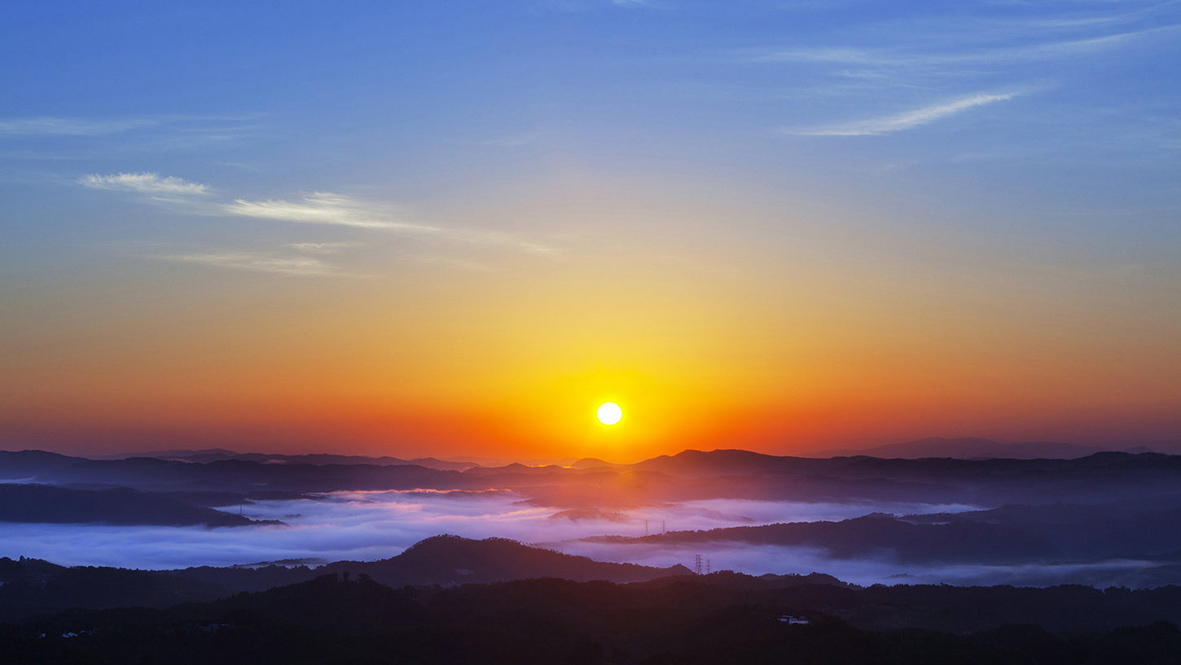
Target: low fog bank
x=368, y=526
x=778, y=560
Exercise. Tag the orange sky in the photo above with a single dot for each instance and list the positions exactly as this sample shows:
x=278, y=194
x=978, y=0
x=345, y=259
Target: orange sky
x=455, y=230
x=705, y=340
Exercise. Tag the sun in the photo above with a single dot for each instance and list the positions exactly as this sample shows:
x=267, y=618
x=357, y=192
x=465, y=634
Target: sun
x=610, y=413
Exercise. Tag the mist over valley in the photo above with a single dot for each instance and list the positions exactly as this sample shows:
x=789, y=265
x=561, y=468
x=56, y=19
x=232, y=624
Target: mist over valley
x=1108, y=519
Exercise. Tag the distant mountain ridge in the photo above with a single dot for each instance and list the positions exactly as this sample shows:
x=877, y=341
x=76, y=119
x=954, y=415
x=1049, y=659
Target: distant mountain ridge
x=977, y=448
x=687, y=476
x=450, y=559
x=319, y=459
x=47, y=504
x=1140, y=530
x=702, y=620
x=31, y=586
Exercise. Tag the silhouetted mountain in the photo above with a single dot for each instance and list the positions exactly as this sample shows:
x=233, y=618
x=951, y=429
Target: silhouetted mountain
x=729, y=579
x=687, y=476
x=578, y=514
x=57, y=505
x=184, y=454
x=869, y=536
x=973, y=448
x=1100, y=477
x=30, y=586
x=686, y=620
x=591, y=463
x=455, y=560
x=219, y=454
x=1144, y=530
x=696, y=463
x=1157, y=509
x=231, y=475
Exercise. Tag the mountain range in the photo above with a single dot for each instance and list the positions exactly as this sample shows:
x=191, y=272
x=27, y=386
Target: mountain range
x=686, y=476
x=702, y=620
x=31, y=586
x=977, y=448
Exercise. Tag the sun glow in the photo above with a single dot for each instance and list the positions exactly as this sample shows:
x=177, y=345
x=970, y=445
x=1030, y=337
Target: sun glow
x=610, y=413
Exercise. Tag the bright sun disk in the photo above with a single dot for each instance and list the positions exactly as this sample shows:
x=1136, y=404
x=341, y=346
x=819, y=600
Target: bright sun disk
x=610, y=413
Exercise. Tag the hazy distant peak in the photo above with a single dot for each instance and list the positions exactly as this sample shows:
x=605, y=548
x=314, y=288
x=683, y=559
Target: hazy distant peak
x=972, y=448
x=450, y=559
x=591, y=463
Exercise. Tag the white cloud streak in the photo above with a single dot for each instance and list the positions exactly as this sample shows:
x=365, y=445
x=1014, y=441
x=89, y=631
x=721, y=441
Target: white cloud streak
x=256, y=262
x=51, y=126
x=339, y=210
x=144, y=183
x=898, y=59
x=322, y=208
x=322, y=247
x=327, y=208
x=903, y=121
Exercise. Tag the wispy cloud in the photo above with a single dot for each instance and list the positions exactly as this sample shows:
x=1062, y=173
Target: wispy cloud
x=339, y=210
x=51, y=137
x=52, y=126
x=896, y=58
x=255, y=261
x=461, y=264
x=322, y=247
x=328, y=208
x=144, y=183
x=902, y=121
x=320, y=208
x=503, y=239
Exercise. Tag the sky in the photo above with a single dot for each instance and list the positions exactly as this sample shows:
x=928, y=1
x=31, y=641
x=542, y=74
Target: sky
x=456, y=228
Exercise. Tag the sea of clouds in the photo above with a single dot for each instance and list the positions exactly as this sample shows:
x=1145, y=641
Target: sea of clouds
x=366, y=526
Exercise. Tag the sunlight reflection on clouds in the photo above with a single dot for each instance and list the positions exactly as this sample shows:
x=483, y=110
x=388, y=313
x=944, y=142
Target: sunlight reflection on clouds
x=377, y=525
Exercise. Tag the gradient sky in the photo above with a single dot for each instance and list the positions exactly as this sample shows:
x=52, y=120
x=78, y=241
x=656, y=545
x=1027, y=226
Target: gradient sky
x=455, y=228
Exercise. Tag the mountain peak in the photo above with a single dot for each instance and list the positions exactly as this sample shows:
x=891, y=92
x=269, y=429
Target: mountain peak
x=449, y=559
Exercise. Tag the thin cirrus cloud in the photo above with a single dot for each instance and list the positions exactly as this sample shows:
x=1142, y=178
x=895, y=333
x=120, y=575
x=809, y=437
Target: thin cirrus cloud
x=53, y=126
x=322, y=247
x=339, y=210
x=189, y=126
x=902, y=121
x=952, y=61
x=327, y=208
x=143, y=183
x=320, y=208
x=255, y=261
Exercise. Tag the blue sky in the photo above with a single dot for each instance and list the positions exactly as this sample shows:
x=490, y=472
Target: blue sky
x=995, y=162
x=1058, y=106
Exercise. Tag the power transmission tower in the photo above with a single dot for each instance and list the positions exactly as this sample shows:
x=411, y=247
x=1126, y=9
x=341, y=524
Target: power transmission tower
x=697, y=564
x=645, y=528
